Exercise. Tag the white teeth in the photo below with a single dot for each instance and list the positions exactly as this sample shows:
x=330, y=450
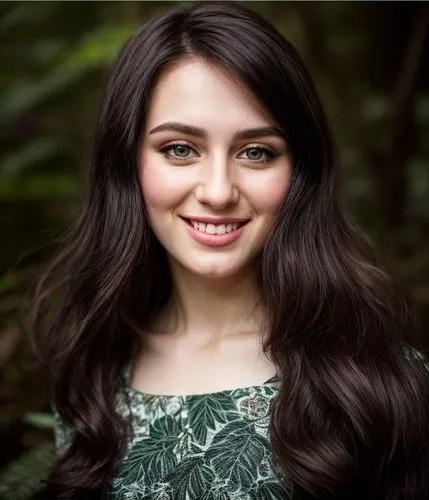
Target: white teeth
x=214, y=228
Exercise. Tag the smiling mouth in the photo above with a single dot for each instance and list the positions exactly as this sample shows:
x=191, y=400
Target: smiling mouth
x=214, y=229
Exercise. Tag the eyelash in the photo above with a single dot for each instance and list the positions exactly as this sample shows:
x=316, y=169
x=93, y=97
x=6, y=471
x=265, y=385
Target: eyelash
x=270, y=152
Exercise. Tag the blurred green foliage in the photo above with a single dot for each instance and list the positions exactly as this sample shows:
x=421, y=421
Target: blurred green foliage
x=369, y=62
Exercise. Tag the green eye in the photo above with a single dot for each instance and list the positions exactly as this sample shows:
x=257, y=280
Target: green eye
x=255, y=153
x=180, y=151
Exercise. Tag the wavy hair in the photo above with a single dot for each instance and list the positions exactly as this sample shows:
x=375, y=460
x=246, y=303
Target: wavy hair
x=351, y=416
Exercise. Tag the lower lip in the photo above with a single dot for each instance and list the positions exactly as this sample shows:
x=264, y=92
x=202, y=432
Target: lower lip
x=214, y=240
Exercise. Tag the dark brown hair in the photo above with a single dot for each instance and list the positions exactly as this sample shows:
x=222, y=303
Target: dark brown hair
x=351, y=416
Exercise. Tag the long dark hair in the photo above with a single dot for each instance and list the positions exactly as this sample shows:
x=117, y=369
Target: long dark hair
x=351, y=416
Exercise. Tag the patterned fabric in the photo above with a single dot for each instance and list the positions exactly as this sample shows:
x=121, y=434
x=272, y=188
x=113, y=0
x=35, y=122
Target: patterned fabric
x=208, y=446
x=199, y=447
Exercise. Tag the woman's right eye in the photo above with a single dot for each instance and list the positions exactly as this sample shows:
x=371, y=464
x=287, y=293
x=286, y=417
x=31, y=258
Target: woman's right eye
x=180, y=151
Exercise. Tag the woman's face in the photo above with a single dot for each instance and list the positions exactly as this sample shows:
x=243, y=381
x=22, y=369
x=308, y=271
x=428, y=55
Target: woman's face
x=205, y=167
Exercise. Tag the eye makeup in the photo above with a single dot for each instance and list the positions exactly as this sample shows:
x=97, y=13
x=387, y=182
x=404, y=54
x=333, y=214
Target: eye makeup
x=269, y=152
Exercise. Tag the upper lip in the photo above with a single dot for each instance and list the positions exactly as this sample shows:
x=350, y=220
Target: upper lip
x=217, y=220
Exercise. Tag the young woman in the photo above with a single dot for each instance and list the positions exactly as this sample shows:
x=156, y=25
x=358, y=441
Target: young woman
x=215, y=324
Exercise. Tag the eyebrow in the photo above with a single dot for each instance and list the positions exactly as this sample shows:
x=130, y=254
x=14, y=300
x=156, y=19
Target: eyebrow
x=250, y=133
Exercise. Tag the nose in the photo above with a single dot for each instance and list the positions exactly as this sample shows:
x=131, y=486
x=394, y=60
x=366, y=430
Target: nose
x=216, y=186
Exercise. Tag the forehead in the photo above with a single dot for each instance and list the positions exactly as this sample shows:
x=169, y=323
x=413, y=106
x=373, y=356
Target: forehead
x=200, y=93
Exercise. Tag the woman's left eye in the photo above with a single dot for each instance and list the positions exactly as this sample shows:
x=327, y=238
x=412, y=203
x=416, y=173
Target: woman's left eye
x=255, y=153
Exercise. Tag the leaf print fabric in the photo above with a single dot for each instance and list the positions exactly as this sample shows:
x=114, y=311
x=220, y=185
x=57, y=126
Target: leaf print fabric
x=236, y=452
x=205, y=411
x=200, y=447
x=206, y=446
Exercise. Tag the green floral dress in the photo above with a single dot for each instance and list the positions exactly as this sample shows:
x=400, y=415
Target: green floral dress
x=199, y=447
x=208, y=446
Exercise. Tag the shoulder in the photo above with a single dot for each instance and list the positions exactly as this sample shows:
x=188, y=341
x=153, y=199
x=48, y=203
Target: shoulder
x=416, y=356
x=412, y=353
x=62, y=433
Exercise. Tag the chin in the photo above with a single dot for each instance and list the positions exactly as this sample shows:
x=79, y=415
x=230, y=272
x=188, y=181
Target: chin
x=213, y=270
x=213, y=265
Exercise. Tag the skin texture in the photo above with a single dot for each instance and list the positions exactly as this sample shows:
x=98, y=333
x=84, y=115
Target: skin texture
x=213, y=308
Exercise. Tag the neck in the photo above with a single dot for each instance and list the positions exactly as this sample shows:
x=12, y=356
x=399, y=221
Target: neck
x=205, y=309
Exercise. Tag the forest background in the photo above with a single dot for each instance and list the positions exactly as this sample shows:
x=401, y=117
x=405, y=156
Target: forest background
x=370, y=63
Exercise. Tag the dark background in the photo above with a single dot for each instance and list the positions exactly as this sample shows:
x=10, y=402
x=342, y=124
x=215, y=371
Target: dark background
x=370, y=62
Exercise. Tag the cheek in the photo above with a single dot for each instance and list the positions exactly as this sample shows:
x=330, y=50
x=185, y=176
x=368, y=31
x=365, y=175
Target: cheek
x=269, y=192
x=161, y=189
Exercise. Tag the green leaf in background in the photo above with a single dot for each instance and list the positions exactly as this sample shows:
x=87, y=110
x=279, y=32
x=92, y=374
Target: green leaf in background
x=24, y=95
x=100, y=47
x=39, y=420
x=97, y=49
x=7, y=282
x=20, y=480
x=35, y=152
x=39, y=186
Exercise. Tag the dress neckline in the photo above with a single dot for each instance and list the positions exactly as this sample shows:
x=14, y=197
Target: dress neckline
x=149, y=396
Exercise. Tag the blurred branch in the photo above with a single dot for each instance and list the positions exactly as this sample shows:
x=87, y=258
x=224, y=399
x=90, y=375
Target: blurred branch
x=10, y=338
x=315, y=38
x=390, y=175
x=412, y=59
x=388, y=164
